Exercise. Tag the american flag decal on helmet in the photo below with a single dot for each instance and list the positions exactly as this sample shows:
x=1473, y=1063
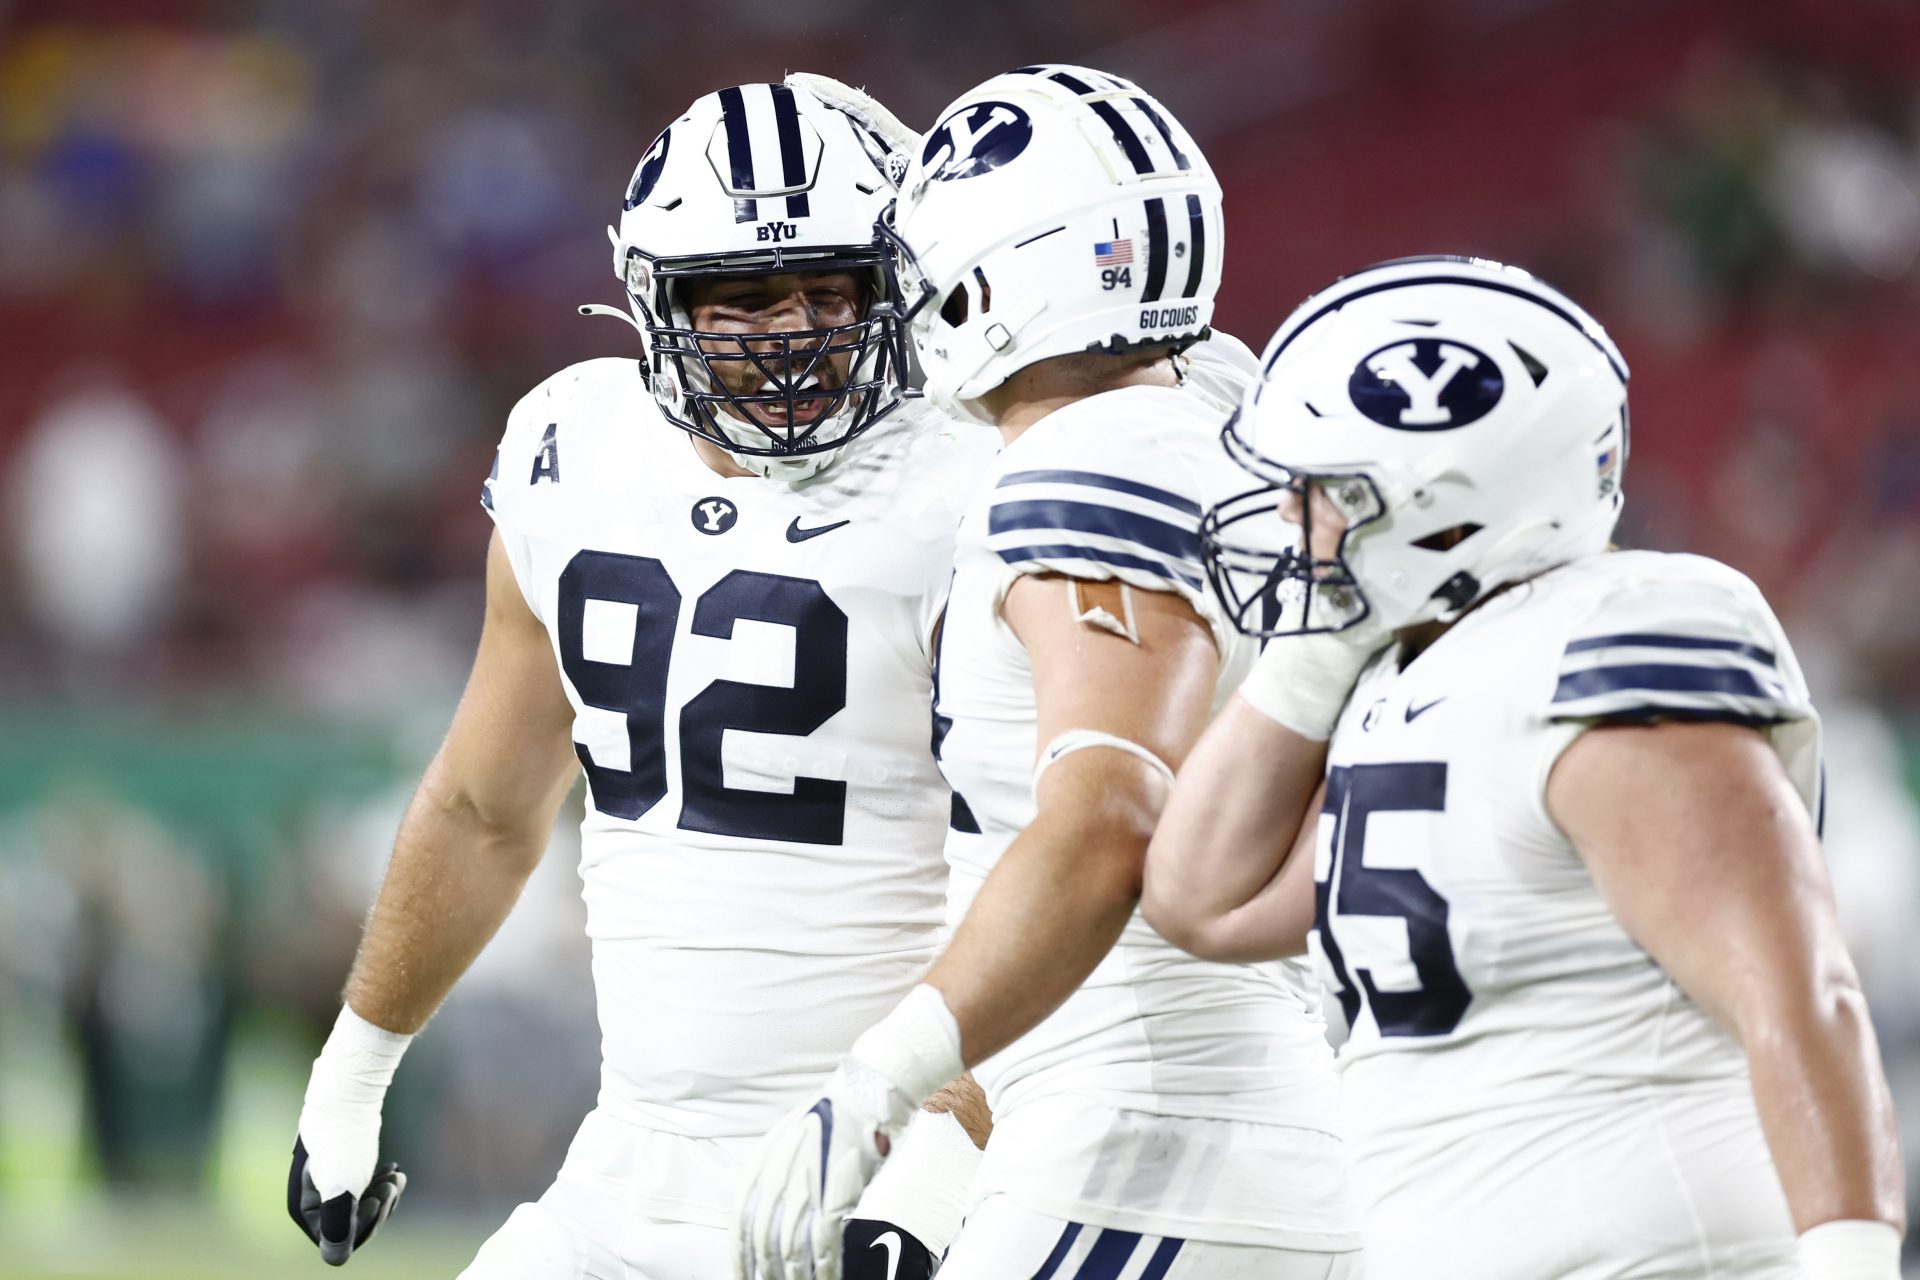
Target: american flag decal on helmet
x=1113, y=253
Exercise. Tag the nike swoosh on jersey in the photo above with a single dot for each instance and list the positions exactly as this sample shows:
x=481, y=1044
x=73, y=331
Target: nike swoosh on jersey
x=1414, y=713
x=796, y=534
x=891, y=1240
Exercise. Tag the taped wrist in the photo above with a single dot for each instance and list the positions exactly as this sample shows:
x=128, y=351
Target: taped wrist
x=1850, y=1250
x=916, y=1048
x=923, y=1187
x=358, y=1061
x=340, y=1122
x=1302, y=682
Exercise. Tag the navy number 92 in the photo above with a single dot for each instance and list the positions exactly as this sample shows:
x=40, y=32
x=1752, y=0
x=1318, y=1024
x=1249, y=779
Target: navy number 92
x=815, y=811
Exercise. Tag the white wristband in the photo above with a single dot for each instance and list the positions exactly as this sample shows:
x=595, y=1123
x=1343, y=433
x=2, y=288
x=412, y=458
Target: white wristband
x=924, y=1186
x=1850, y=1250
x=916, y=1047
x=1302, y=682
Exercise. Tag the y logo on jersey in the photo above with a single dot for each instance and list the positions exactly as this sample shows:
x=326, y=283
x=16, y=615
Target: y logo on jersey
x=974, y=140
x=1426, y=384
x=714, y=515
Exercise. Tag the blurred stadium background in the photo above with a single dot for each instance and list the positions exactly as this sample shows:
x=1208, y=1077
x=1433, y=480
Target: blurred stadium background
x=273, y=271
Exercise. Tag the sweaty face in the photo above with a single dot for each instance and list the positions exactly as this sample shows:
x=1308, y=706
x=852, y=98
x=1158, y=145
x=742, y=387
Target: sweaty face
x=759, y=314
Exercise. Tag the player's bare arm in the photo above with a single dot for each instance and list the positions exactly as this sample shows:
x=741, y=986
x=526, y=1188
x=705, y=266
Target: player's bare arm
x=1707, y=855
x=473, y=833
x=1058, y=899
x=1229, y=874
x=479, y=822
x=1230, y=871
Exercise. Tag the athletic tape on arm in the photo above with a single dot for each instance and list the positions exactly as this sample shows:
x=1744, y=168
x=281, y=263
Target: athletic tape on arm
x=1086, y=739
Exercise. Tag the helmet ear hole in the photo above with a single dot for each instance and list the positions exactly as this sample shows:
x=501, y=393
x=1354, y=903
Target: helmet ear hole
x=1449, y=538
x=956, y=308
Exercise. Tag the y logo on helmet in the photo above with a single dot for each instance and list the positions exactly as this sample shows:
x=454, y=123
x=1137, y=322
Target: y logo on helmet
x=974, y=140
x=648, y=173
x=1426, y=384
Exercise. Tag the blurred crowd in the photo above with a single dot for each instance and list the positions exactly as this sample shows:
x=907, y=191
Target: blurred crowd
x=272, y=272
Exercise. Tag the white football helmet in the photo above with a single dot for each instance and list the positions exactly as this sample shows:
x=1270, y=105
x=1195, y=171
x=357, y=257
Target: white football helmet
x=1467, y=422
x=1052, y=210
x=753, y=179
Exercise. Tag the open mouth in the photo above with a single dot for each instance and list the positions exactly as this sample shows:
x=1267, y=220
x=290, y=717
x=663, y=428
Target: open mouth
x=805, y=408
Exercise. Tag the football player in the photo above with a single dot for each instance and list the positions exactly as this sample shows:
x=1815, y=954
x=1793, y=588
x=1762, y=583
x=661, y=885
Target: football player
x=1058, y=250
x=712, y=589
x=1565, y=874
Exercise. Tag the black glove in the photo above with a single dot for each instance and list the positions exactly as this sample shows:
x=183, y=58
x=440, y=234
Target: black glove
x=342, y=1224
x=875, y=1250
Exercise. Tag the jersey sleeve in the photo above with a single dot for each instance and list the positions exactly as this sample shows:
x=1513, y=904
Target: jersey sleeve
x=516, y=464
x=1687, y=640
x=1122, y=505
x=1689, y=646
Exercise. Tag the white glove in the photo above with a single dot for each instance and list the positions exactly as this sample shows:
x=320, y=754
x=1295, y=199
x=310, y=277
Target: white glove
x=814, y=1165
x=1302, y=682
x=898, y=139
x=1850, y=1250
x=339, y=1139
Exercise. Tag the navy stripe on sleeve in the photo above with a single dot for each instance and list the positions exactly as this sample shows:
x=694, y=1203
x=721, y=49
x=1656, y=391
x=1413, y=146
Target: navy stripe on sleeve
x=1096, y=480
x=1660, y=640
x=1181, y=542
x=1656, y=678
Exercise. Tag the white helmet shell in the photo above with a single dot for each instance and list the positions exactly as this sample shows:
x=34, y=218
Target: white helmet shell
x=1468, y=421
x=1052, y=210
x=753, y=179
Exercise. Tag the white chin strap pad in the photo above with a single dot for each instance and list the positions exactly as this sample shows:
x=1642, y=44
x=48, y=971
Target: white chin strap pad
x=1085, y=740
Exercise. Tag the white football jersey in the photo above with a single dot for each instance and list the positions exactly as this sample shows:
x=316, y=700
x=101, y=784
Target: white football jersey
x=1168, y=1094
x=1529, y=1094
x=750, y=667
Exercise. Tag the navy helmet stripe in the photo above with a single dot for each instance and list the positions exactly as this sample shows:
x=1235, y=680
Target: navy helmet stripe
x=1059, y=1254
x=1469, y=281
x=1197, y=250
x=1110, y=1253
x=1660, y=640
x=1181, y=541
x=1123, y=134
x=1160, y=123
x=1098, y=481
x=793, y=156
x=1657, y=678
x=1074, y=83
x=733, y=115
x=1156, y=250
